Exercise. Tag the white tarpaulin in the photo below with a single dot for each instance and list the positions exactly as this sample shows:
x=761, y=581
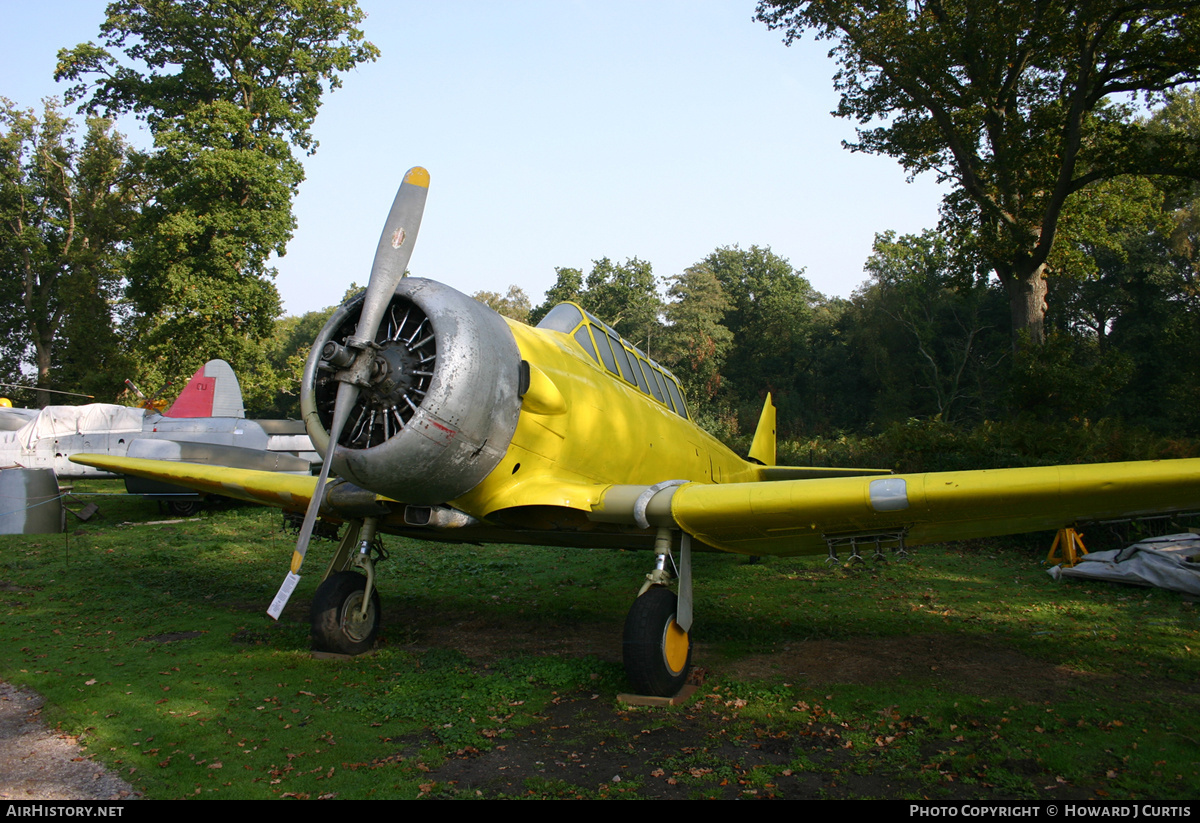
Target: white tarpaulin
x=1156, y=561
x=95, y=418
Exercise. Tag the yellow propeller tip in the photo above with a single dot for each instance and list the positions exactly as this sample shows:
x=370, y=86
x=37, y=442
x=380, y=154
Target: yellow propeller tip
x=297, y=562
x=417, y=176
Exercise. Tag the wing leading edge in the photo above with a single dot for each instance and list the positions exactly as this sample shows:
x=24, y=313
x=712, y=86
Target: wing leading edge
x=793, y=517
x=287, y=491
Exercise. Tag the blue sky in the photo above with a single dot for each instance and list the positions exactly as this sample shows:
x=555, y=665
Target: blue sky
x=556, y=133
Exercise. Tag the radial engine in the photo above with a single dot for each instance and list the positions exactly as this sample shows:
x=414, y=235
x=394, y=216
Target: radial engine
x=440, y=406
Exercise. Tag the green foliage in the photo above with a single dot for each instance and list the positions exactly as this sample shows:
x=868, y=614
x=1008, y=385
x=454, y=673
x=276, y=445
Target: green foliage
x=623, y=295
x=928, y=445
x=198, y=278
x=66, y=210
x=696, y=343
x=1068, y=378
x=227, y=90
x=567, y=288
x=1010, y=103
x=775, y=320
x=514, y=303
x=272, y=60
x=287, y=352
x=626, y=297
x=924, y=329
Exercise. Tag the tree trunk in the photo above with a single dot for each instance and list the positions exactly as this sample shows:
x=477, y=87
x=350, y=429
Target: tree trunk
x=43, y=355
x=1027, y=303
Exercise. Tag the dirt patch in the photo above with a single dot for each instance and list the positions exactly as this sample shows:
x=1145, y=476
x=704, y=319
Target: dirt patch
x=587, y=748
x=971, y=665
x=37, y=763
x=170, y=637
x=968, y=665
x=483, y=637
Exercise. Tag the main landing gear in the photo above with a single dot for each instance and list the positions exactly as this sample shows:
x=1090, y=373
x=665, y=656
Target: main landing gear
x=657, y=652
x=657, y=642
x=339, y=622
x=657, y=646
x=345, y=610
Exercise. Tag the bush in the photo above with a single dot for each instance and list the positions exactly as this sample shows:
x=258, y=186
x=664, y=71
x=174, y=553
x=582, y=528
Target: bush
x=931, y=445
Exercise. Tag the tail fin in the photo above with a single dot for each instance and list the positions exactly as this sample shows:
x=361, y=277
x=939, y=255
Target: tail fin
x=762, y=449
x=213, y=391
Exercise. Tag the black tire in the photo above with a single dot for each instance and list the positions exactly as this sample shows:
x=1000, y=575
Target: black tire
x=183, y=508
x=658, y=654
x=335, y=607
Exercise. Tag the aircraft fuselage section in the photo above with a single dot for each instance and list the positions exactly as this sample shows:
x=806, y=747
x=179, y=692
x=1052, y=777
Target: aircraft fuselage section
x=488, y=415
x=583, y=429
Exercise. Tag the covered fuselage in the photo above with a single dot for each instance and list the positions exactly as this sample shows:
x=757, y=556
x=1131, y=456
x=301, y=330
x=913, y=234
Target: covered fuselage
x=49, y=438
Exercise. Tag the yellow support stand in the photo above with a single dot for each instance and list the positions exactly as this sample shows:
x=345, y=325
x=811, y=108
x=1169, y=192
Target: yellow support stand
x=1073, y=549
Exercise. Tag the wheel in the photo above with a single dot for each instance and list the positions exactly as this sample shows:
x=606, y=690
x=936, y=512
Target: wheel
x=336, y=626
x=657, y=652
x=183, y=508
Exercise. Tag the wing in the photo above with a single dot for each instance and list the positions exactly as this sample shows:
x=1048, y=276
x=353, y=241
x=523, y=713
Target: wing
x=793, y=517
x=286, y=491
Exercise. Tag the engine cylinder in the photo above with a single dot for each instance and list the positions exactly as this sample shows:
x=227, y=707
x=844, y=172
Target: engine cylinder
x=441, y=403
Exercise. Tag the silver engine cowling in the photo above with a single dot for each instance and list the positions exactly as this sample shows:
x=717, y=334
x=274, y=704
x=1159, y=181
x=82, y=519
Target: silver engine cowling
x=442, y=401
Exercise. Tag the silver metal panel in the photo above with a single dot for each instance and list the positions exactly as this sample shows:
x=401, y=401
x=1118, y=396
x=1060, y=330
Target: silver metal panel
x=30, y=502
x=217, y=454
x=889, y=494
x=465, y=419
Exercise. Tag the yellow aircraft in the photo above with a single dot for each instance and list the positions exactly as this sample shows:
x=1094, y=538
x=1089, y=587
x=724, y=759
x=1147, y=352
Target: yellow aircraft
x=453, y=423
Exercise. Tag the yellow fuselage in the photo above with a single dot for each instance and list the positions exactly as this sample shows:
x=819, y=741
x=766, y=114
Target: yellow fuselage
x=583, y=429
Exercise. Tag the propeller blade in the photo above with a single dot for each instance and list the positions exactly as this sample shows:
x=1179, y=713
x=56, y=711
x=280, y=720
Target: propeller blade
x=394, y=251
x=346, y=397
x=391, y=261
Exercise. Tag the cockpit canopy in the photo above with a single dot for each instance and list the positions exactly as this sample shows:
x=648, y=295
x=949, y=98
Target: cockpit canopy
x=616, y=354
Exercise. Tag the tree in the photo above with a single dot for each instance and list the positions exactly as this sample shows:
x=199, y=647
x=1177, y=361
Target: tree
x=772, y=316
x=696, y=341
x=286, y=353
x=1182, y=114
x=1105, y=231
x=66, y=210
x=927, y=310
x=567, y=288
x=227, y=90
x=624, y=295
x=1125, y=311
x=514, y=303
x=1012, y=103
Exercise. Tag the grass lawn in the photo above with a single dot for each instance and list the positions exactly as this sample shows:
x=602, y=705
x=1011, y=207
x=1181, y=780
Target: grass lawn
x=963, y=672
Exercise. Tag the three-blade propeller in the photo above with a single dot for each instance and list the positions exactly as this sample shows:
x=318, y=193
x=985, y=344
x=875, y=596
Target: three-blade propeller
x=391, y=261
